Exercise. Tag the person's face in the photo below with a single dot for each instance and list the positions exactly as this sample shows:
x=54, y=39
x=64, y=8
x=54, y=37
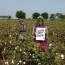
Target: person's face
x=21, y=22
x=40, y=22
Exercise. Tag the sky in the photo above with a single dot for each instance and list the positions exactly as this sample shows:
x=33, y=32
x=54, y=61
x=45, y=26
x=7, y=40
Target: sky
x=9, y=7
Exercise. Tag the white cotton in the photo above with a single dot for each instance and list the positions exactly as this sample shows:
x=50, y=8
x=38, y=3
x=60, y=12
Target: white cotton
x=62, y=56
x=25, y=53
x=24, y=62
x=15, y=48
x=20, y=49
x=10, y=42
x=6, y=62
x=33, y=56
x=39, y=63
x=17, y=63
x=30, y=54
x=50, y=45
x=10, y=35
x=57, y=53
x=4, y=48
x=20, y=61
x=12, y=61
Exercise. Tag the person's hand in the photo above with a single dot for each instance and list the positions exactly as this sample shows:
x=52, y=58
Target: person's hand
x=34, y=33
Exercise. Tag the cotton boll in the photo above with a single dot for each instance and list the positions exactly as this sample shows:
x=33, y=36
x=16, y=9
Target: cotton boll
x=62, y=56
x=17, y=63
x=6, y=62
x=24, y=63
x=57, y=53
x=4, y=48
x=30, y=54
x=12, y=61
x=33, y=56
x=50, y=45
x=16, y=47
x=10, y=42
x=20, y=61
x=20, y=49
x=39, y=63
x=24, y=53
x=10, y=35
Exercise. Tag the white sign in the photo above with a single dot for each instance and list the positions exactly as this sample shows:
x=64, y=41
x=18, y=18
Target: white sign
x=40, y=33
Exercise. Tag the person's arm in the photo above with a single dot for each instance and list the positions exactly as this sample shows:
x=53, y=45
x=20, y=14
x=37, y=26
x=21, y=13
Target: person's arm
x=25, y=30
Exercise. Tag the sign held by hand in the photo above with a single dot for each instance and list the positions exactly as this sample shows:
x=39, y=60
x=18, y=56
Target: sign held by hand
x=40, y=33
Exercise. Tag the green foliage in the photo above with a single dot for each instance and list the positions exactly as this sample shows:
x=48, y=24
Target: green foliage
x=52, y=16
x=9, y=17
x=35, y=15
x=20, y=14
x=62, y=16
x=5, y=17
x=45, y=15
x=22, y=52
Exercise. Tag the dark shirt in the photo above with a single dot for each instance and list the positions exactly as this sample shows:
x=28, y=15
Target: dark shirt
x=22, y=28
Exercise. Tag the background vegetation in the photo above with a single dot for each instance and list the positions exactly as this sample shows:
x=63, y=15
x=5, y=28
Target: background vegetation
x=15, y=52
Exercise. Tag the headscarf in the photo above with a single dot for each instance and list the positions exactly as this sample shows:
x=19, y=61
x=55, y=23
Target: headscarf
x=39, y=18
x=21, y=20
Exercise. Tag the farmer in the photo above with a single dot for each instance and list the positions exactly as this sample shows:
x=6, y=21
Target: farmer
x=40, y=24
x=22, y=30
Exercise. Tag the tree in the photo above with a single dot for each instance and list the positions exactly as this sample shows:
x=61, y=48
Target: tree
x=52, y=16
x=57, y=15
x=9, y=17
x=5, y=17
x=62, y=16
x=45, y=15
x=20, y=14
x=35, y=15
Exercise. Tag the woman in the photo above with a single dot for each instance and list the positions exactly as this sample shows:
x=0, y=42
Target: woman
x=40, y=24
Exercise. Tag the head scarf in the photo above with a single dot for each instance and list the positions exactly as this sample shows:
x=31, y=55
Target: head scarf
x=39, y=18
x=21, y=20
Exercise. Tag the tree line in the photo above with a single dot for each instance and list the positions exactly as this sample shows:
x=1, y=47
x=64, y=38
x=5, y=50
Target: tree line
x=5, y=17
x=45, y=15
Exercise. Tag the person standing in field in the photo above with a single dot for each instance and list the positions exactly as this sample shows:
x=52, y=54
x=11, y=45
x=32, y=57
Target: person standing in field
x=22, y=30
x=40, y=24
